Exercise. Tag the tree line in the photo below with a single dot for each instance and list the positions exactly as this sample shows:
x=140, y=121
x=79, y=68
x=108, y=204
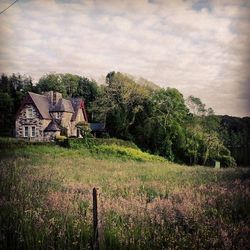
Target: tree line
x=159, y=120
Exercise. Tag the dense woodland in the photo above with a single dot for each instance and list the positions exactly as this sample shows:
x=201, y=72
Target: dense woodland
x=158, y=120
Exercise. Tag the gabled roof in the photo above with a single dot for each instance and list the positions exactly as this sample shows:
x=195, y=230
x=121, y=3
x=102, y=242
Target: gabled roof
x=78, y=104
x=42, y=104
x=44, y=107
x=63, y=105
x=52, y=127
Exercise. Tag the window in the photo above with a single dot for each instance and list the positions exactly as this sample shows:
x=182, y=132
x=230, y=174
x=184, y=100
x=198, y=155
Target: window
x=26, y=132
x=33, y=131
x=29, y=112
x=29, y=131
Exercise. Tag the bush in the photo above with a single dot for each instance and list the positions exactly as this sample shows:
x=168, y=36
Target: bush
x=114, y=141
x=60, y=137
x=80, y=142
x=113, y=147
x=122, y=152
x=62, y=140
x=228, y=161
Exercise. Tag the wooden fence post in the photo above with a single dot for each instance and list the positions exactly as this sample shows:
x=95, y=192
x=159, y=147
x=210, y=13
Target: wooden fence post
x=95, y=221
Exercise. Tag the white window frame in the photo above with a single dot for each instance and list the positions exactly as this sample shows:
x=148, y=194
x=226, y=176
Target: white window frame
x=33, y=134
x=29, y=131
x=24, y=131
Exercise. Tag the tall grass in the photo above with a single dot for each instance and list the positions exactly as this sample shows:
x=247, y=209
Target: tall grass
x=45, y=201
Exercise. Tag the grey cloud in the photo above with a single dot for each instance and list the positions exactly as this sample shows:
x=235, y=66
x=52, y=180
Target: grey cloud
x=167, y=42
x=202, y=4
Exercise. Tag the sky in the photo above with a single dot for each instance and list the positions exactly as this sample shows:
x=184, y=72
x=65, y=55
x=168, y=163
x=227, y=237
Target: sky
x=200, y=47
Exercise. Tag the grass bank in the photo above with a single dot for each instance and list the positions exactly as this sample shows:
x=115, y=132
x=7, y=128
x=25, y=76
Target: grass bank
x=145, y=202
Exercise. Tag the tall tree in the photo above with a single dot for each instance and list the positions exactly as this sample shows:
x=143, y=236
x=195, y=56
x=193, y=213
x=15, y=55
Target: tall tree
x=164, y=126
x=12, y=90
x=119, y=103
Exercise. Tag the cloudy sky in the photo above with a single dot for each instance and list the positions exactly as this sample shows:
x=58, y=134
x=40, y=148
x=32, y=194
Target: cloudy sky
x=200, y=47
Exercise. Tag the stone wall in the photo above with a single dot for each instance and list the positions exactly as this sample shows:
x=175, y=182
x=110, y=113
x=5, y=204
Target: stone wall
x=37, y=122
x=57, y=115
x=40, y=124
x=50, y=135
x=66, y=121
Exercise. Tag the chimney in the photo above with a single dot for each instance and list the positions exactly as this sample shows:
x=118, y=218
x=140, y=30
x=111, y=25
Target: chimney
x=53, y=97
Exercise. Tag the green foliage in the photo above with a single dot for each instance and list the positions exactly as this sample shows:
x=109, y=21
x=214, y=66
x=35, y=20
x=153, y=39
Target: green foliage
x=61, y=140
x=163, y=128
x=203, y=143
x=196, y=106
x=118, y=104
x=84, y=128
x=158, y=120
x=112, y=148
x=235, y=131
x=126, y=153
x=115, y=141
x=50, y=82
x=12, y=90
x=70, y=86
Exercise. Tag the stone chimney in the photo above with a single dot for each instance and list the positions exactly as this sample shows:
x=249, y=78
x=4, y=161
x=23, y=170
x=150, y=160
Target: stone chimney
x=53, y=97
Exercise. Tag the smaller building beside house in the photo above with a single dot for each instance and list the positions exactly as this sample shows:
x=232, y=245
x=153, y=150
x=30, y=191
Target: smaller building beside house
x=43, y=117
x=98, y=129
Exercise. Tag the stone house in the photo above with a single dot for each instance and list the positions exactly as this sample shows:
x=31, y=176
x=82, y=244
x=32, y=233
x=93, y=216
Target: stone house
x=43, y=117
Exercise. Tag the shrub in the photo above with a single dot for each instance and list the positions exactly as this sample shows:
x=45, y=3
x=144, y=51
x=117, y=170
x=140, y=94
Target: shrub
x=115, y=141
x=61, y=137
x=126, y=153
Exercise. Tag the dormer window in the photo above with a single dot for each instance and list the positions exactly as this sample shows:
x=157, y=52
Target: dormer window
x=30, y=112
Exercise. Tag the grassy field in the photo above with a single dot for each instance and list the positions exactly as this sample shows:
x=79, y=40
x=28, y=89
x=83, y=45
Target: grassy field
x=144, y=201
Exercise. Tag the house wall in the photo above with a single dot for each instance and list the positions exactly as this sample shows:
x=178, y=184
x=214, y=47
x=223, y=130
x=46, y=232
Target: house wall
x=50, y=135
x=36, y=121
x=40, y=124
x=56, y=115
x=66, y=122
x=79, y=118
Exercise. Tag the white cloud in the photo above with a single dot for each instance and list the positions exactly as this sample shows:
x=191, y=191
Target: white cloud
x=200, y=51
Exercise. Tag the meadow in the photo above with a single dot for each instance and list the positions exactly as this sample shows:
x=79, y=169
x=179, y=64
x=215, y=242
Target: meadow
x=144, y=201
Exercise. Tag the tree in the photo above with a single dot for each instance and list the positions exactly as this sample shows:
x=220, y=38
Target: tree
x=50, y=82
x=164, y=126
x=87, y=89
x=119, y=102
x=203, y=140
x=195, y=106
x=12, y=90
x=6, y=113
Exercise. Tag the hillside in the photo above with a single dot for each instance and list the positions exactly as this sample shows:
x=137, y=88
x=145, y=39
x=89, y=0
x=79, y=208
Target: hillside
x=144, y=202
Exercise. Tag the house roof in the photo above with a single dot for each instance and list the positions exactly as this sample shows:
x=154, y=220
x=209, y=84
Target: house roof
x=44, y=107
x=42, y=104
x=97, y=127
x=52, y=127
x=78, y=104
x=63, y=105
